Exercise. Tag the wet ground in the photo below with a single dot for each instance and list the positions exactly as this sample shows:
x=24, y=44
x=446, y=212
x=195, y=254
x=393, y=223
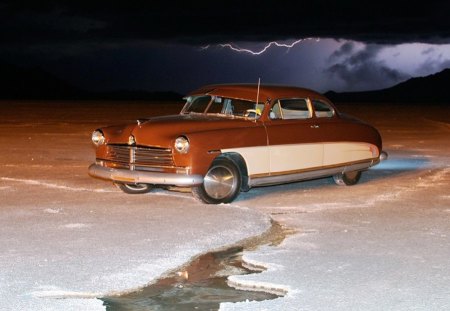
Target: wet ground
x=202, y=284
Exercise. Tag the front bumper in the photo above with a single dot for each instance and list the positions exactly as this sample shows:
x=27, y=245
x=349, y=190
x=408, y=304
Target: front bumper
x=143, y=177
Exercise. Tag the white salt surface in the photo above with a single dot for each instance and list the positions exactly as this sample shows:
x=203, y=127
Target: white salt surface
x=383, y=244
x=68, y=239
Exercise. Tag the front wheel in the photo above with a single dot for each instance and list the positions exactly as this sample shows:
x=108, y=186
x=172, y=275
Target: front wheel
x=347, y=178
x=134, y=188
x=222, y=183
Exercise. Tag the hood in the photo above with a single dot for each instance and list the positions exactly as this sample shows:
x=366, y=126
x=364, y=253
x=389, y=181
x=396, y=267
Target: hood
x=162, y=131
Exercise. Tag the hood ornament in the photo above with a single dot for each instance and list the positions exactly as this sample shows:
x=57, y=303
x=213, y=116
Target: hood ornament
x=131, y=140
x=141, y=121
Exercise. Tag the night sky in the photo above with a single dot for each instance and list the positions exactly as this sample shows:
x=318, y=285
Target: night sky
x=181, y=45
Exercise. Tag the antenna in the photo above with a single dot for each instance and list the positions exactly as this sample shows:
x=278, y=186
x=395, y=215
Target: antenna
x=257, y=92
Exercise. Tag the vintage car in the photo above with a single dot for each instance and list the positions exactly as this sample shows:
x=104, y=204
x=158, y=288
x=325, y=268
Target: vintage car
x=229, y=138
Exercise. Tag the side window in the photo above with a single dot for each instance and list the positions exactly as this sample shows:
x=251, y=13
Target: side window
x=322, y=109
x=291, y=109
x=236, y=107
x=241, y=106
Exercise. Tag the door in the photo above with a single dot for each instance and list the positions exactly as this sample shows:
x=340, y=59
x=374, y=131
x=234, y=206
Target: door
x=293, y=137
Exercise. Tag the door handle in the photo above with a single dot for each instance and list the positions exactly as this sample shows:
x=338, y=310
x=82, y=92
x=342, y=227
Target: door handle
x=315, y=126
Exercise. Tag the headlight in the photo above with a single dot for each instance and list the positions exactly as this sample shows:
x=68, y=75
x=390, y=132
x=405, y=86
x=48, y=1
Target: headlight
x=98, y=138
x=182, y=144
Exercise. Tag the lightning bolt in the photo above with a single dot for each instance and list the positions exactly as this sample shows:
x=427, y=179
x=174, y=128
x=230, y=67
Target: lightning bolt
x=236, y=48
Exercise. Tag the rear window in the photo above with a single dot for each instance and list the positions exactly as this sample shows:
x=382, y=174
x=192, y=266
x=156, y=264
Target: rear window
x=322, y=109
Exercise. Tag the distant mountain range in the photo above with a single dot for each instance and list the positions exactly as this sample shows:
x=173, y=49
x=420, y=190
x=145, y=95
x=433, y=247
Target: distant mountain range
x=35, y=83
x=433, y=88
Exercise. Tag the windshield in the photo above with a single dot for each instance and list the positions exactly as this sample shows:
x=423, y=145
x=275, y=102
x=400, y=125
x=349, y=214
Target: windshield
x=223, y=106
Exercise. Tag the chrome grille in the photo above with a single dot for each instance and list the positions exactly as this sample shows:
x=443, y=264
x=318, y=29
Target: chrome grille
x=140, y=156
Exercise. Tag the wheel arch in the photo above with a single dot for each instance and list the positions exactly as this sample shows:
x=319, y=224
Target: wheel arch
x=239, y=161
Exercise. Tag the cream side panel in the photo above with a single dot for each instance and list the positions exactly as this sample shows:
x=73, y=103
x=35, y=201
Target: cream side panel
x=284, y=158
x=335, y=153
x=256, y=158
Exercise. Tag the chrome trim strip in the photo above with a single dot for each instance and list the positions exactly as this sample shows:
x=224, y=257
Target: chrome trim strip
x=144, y=177
x=310, y=174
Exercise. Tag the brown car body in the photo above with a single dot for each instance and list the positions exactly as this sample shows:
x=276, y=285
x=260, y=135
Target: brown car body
x=288, y=134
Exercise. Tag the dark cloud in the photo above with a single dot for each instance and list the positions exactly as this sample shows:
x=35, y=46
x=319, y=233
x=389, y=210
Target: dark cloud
x=197, y=22
x=361, y=69
x=154, y=44
x=345, y=50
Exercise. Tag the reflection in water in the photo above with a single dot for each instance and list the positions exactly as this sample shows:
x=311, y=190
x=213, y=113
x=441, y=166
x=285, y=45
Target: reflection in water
x=201, y=286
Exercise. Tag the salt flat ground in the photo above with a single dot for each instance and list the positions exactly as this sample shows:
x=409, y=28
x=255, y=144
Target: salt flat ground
x=66, y=238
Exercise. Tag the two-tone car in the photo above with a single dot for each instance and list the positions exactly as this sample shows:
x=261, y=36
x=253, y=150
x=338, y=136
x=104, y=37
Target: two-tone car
x=230, y=138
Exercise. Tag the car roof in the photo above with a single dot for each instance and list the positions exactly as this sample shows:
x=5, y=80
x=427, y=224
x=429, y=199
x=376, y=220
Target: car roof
x=249, y=91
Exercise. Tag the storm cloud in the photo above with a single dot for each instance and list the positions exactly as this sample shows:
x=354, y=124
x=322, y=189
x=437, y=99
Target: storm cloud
x=156, y=45
x=199, y=23
x=362, y=69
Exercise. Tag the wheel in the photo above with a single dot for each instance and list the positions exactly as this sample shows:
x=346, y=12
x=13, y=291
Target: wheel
x=222, y=183
x=347, y=178
x=134, y=188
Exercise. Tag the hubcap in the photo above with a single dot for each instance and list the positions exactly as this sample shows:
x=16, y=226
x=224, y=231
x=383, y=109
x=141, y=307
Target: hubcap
x=219, y=182
x=136, y=186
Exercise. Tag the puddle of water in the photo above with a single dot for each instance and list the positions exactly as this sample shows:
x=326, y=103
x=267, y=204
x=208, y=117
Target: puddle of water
x=202, y=285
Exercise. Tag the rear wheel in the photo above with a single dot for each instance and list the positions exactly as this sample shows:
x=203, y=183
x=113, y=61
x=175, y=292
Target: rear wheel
x=134, y=188
x=347, y=178
x=222, y=183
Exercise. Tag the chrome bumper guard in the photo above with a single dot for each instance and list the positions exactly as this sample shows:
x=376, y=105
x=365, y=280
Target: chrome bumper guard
x=143, y=177
x=383, y=156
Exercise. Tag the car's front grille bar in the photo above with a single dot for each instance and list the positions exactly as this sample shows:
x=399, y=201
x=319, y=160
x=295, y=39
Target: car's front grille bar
x=140, y=156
